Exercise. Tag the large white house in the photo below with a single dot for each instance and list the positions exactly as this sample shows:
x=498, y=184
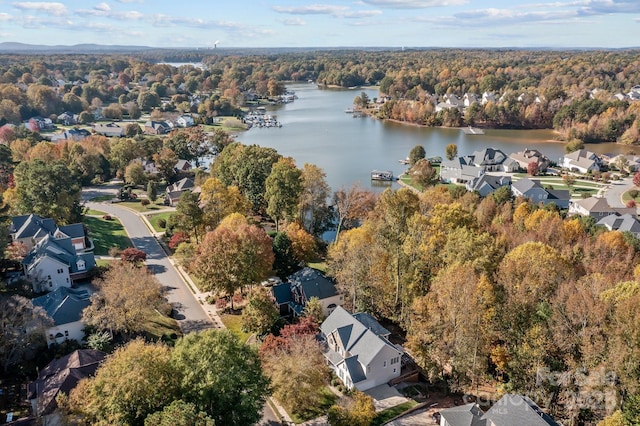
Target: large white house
x=357, y=349
x=582, y=161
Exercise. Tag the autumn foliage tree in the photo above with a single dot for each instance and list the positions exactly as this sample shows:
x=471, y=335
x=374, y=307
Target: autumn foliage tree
x=133, y=255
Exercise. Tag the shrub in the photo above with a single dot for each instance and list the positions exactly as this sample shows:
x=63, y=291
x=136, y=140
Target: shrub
x=221, y=303
x=107, y=217
x=162, y=223
x=633, y=193
x=145, y=202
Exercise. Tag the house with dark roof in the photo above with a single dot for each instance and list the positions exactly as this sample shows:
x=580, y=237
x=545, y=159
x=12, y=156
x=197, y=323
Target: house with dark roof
x=459, y=170
x=61, y=376
x=358, y=350
x=109, y=130
x=156, y=127
x=510, y=410
x=597, y=208
x=622, y=223
x=174, y=191
x=54, y=262
x=493, y=160
x=486, y=184
x=292, y=296
x=533, y=190
x=183, y=166
x=64, y=306
x=31, y=228
x=74, y=134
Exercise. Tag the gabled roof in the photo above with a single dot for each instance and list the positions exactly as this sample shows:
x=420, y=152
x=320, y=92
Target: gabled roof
x=355, y=369
x=60, y=249
x=490, y=181
x=517, y=410
x=282, y=293
x=354, y=337
x=313, y=283
x=625, y=222
x=525, y=185
x=489, y=156
x=181, y=185
x=62, y=375
x=75, y=230
x=31, y=226
x=464, y=415
x=64, y=305
x=371, y=323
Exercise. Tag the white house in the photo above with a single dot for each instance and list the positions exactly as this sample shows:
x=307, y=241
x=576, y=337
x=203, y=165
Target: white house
x=64, y=306
x=185, y=121
x=357, y=349
x=597, y=208
x=54, y=263
x=581, y=161
x=623, y=223
x=31, y=228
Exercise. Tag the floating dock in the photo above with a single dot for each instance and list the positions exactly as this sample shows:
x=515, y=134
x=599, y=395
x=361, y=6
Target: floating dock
x=385, y=175
x=472, y=131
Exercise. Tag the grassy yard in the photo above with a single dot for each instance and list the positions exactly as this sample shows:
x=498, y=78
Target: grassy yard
x=137, y=206
x=386, y=415
x=234, y=324
x=158, y=327
x=155, y=219
x=92, y=212
x=106, y=234
x=328, y=399
x=627, y=196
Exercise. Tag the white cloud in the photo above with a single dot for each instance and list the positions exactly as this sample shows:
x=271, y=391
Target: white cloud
x=131, y=15
x=326, y=9
x=103, y=7
x=294, y=22
x=51, y=8
x=5, y=17
x=414, y=4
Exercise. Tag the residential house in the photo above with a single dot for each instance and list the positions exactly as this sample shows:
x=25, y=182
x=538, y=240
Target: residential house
x=441, y=106
x=292, y=296
x=486, y=184
x=493, y=160
x=622, y=223
x=71, y=135
x=488, y=97
x=452, y=99
x=582, y=161
x=356, y=348
x=54, y=262
x=64, y=306
x=68, y=118
x=61, y=376
x=156, y=127
x=533, y=190
x=469, y=99
x=185, y=121
x=510, y=410
x=459, y=170
x=183, y=166
x=31, y=228
x=109, y=130
x=308, y=283
x=528, y=156
x=174, y=191
x=622, y=162
x=597, y=208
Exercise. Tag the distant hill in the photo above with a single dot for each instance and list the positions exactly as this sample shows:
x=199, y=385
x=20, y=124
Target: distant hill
x=13, y=47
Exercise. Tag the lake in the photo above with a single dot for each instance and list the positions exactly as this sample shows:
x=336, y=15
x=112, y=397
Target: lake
x=315, y=129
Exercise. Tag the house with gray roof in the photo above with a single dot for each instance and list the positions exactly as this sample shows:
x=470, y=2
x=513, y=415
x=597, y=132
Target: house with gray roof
x=54, y=262
x=532, y=189
x=61, y=376
x=31, y=228
x=510, y=410
x=581, y=161
x=486, y=184
x=109, y=130
x=493, y=160
x=459, y=170
x=175, y=190
x=360, y=357
x=308, y=283
x=623, y=223
x=597, y=208
x=64, y=306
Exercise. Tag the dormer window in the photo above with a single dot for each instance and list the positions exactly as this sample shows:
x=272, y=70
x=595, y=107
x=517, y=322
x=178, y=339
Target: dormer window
x=81, y=265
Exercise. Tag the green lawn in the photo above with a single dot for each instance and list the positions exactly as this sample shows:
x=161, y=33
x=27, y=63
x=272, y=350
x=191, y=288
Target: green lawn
x=386, y=415
x=103, y=262
x=234, y=324
x=137, y=206
x=92, y=212
x=106, y=234
x=328, y=399
x=155, y=218
x=626, y=197
x=158, y=327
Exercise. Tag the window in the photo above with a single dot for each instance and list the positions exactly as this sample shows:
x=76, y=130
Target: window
x=384, y=363
x=394, y=370
x=66, y=333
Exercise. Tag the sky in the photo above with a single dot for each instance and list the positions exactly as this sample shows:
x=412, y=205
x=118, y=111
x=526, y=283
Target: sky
x=328, y=23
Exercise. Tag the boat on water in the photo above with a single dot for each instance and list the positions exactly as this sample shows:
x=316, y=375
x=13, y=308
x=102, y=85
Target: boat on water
x=405, y=161
x=349, y=110
x=382, y=175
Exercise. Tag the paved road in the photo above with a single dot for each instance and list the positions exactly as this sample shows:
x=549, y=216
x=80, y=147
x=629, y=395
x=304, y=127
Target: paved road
x=190, y=313
x=614, y=193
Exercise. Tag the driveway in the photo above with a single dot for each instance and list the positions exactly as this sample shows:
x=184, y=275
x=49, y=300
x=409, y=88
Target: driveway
x=614, y=193
x=189, y=312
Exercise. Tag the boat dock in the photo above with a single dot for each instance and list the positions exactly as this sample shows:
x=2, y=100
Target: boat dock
x=386, y=175
x=472, y=131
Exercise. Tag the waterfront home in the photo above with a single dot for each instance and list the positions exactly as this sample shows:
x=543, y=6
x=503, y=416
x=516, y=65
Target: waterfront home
x=581, y=161
x=533, y=190
x=528, y=156
x=459, y=170
x=357, y=349
x=488, y=97
x=597, y=208
x=64, y=306
x=493, y=160
x=486, y=184
x=511, y=409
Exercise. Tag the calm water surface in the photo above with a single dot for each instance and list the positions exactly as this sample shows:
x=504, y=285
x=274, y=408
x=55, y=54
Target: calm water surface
x=315, y=129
